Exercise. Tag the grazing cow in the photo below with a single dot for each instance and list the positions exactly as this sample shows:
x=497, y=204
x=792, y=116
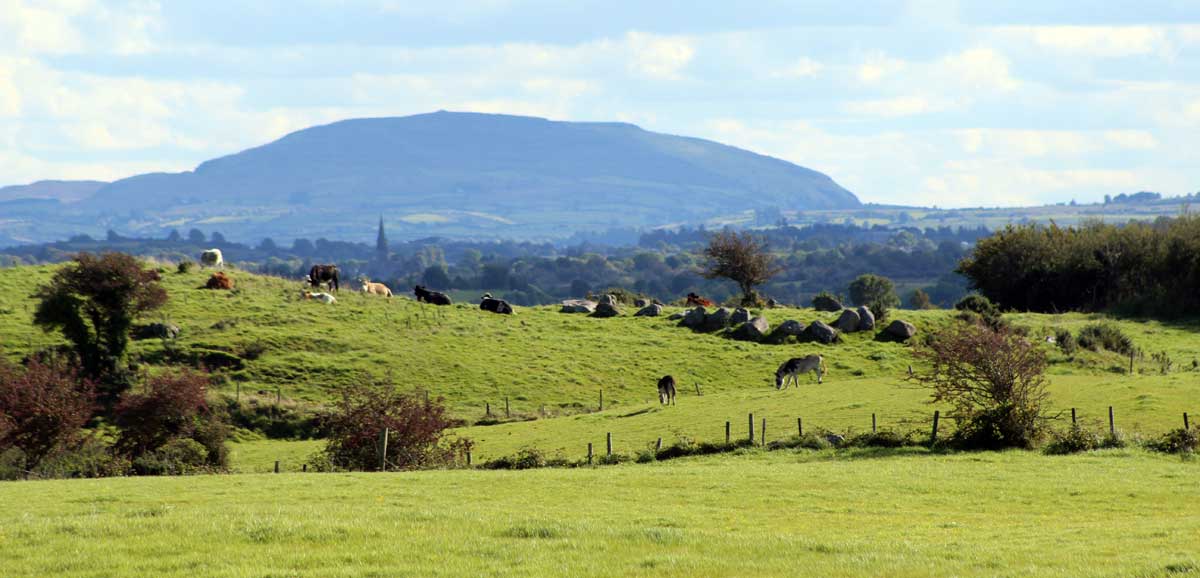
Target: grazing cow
x=219, y=280
x=322, y=297
x=212, y=258
x=428, y=296
x=666, y=390
x=792, y=368
x=323, y=274
x=375, y=288
x=488, y=303
x=694, y=300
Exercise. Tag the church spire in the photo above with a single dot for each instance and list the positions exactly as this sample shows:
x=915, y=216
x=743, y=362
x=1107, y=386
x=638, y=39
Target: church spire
x=381, y=242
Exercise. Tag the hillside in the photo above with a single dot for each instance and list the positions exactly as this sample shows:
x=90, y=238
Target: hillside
x=63, y=191
x=540, y=358
x=464, y=174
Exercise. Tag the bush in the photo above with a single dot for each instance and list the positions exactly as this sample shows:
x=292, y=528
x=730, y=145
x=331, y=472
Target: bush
x=185, y=267
x=177, y=457
x=1074, y=440
x=1066, y=342
x=415, y=429
x=1097, y=336
x=876, y=292
x=810, y=441
x=526, y=458
x=880, y=439
x=919, y=299
x=1177, y=441
x=42, y=408
x=995, y=381
x=173, y=407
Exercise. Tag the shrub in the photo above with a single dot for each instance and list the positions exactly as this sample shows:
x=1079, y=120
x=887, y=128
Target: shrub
x=880, y=439
x=994, y=380
x=1177, y=441
x=526, y=458
x=811, y=441
x=1066, y=342
x=1074, y=440
x=919, y=299
x=1097, y=336
x=876, y=292
x=185, y=267
x=42, y=408
x=177, y=457
x=415, y=426
x=171, y=408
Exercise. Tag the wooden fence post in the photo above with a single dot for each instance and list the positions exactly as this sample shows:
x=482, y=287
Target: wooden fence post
x=601, y=400
x=468, y=458
x=933, y=436
x=487, y=406
x=383, y=452
x=698, y=389
x=1072, y=417
x=872, y=423
x=506, y=412
x=727, y=433
x=799, y=427
x=277, y=466
x=658, y=445
x=304, y=468
x=608, y=444
x=762, y=434
x=751, y=416
x=589, y=453
x=1112, y=425
x=1131, y=363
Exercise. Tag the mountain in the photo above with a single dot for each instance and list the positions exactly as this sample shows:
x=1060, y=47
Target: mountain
x=463, y=174
x=65, y=191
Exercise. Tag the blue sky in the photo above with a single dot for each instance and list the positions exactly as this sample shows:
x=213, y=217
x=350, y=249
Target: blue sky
x=952, y=104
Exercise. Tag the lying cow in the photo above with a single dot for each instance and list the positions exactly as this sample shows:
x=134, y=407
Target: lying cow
x=488, y=303
x=694, y=300
x=212, y=258
x=322, y=297
x=428, y=296
x=375, y=288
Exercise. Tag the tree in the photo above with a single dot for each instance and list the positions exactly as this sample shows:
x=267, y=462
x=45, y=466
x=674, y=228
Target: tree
x=267, y=245
x=42, y=408
x=93, y=302
x=740, y=258
x=994, y=381
x=415, y=426
x=919, y=299
x=174, y=236
x=171, y=409
x=217, y=238
x=196, y=236
x=876, y=292
x=436, y=277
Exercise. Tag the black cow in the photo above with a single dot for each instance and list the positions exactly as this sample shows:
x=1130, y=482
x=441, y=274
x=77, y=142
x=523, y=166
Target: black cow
x=428, y=296
x=323, y=274
x=666, y=390
x=495, y=305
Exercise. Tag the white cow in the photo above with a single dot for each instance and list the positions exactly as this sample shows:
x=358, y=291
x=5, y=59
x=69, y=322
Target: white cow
x=212, y=258
x=322, y=297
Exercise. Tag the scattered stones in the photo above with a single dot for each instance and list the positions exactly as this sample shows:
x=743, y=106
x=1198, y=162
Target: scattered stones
x=606, y=310
x=826, y=303
x=740, y=316
x=899, y=330
x=866, y=319
x=608, y=299
x=717, y=320
x=578, y=306
x=847, y=322
x=752, y=330
x=651, y=310
x=694, y=318
x=821, y=332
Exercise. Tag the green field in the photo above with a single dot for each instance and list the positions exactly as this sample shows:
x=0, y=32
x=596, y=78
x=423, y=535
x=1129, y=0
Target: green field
x=1112, y=513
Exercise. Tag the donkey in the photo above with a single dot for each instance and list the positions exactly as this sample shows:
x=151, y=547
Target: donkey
x=792, y=368
x=666, y=390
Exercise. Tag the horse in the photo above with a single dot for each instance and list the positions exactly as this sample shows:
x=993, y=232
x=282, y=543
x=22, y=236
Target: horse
x=428, y=296
x=792, y=368
x=666, y=390
x=323, y=274
x=694, y=300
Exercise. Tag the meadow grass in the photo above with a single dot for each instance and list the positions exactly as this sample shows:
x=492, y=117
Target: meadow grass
x=865, y=513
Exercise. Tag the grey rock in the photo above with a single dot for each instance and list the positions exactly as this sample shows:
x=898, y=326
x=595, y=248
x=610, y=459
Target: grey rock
x=578, y=306
x=752, y=330
x=651, y=310
x=866, y=319
x=157, y=331
x=828, y=304
x=834, y=439
x=608, y=299
x=740, y=316
x=694, y=318
x=821, y=332
x=606, y=310
x=640, y=302
x=847, y=322
x=717, y=320
x=675, y=316
x=900, y=330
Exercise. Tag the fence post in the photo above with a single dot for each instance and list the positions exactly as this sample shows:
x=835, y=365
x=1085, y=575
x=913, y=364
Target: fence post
x=762, y=434
x=277, y=466
x=1072, y=417
x=698, y=389
x=1112, y=425
x=751, y=416
x=468, y=458
x=726, y=433
x=506, y=413
x=872, y=423
x=383, y=452
x=1131, y=363
x=1186, y=425
x=799, y=427
x=933, y=436
x=608, y=444
x=487, y=408
x=601, y=400
x=589, y=453
x=304, y=468
x=658, y=445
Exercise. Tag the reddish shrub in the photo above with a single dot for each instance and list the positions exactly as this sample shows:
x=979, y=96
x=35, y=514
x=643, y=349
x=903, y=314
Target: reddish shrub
x=42, y=408
x=172, y=407
x=415, y=429
x=219, y=280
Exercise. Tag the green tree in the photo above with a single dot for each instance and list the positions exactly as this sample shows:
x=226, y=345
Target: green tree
x=741, y=258
x=919, y=299
x=93, y=302
x=876, y=292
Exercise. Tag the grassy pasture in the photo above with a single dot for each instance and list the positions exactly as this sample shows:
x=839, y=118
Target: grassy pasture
x=1113, y=513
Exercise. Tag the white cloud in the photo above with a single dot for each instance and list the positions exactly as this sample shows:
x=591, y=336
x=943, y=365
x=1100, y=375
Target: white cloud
x=661, y=57
x=892, y=107
x=1095, y=41
x=802, y=68
x=878, y=66
x=978, y=69
x=78, y=26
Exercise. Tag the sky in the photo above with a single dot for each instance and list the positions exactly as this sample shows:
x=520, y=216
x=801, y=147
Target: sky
x=918, y=102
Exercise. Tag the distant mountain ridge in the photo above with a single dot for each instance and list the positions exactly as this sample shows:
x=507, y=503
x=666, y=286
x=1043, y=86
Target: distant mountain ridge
x=456, y=173
x=64, y=191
